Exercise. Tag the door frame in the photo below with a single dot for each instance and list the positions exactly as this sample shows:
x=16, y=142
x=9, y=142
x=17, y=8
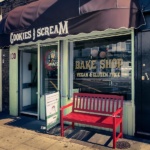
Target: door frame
x=40, y=74
x=13, y=81
x=20, y=75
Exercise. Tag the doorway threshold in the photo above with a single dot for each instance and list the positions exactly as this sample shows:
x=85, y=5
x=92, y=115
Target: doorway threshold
x=143, y=135
x=29, y=113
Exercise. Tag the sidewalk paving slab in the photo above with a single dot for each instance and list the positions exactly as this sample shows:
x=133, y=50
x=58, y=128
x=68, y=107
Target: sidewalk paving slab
x=41, y=142
x=17, y=134
x=24, y=147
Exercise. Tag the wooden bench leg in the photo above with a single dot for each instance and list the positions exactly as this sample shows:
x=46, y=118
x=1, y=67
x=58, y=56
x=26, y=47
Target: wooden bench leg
x=114, y=138
x=114, y=135
x=62, y=128
x=72, y=125
x=121, y=129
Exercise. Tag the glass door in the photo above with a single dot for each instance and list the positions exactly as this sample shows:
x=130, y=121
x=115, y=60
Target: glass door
x=50, y=83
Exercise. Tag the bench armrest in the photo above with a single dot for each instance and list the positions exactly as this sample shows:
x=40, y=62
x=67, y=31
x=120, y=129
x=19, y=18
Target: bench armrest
x=118, y=111
x=66, y=106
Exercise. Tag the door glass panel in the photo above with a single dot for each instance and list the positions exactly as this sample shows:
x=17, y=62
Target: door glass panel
x=49, y=69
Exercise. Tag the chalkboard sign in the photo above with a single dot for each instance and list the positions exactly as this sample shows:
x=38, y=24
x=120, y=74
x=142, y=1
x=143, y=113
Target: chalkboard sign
x=52, y=110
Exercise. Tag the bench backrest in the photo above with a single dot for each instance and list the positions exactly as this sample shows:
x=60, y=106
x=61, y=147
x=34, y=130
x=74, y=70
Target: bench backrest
x=97, y=103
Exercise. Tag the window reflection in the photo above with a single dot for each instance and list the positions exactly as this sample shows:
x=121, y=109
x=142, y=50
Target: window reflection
x=50, y=68
x=103, y=66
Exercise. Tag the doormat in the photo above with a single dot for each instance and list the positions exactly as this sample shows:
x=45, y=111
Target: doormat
x=123, y=145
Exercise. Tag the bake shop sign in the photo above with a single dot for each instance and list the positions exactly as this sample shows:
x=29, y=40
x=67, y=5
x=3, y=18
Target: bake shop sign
x=88, y=68
x=34, y=34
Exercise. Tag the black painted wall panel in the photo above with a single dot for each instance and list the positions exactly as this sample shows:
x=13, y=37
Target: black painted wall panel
x=5, y=80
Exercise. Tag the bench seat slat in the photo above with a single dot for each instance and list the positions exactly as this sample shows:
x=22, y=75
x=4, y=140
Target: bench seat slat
x=98, y=120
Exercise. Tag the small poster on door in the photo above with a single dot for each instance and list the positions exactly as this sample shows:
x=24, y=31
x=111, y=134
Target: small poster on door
x=51, y=101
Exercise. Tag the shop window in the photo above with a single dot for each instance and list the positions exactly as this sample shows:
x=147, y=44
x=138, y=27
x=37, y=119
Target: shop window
x=103, y=66
x=49, y=69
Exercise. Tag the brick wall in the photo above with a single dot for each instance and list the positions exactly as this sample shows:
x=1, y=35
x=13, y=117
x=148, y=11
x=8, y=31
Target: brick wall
x=5, y=80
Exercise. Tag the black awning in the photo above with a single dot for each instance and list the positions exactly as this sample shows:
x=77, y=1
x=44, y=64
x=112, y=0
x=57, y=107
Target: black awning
x=52, y=18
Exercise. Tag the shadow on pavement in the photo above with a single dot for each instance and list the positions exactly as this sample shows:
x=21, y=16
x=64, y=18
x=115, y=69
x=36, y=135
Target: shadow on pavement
x=85, y=134
x=26, y=122
x=78, y=135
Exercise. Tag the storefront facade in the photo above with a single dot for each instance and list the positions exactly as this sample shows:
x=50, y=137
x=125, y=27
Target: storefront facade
x=73, y=56
x=83, y=74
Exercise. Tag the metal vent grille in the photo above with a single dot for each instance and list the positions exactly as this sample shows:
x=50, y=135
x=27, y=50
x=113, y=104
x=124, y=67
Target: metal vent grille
x=123, y=145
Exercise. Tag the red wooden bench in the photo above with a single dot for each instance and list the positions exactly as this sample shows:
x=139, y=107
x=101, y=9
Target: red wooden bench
x=99, y=110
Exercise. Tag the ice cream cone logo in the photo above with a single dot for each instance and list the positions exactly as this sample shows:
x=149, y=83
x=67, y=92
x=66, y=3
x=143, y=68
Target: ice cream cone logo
x=52, y=55
x=50, y=60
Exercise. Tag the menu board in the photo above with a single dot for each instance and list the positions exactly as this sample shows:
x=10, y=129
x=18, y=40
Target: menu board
x=52, y=107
